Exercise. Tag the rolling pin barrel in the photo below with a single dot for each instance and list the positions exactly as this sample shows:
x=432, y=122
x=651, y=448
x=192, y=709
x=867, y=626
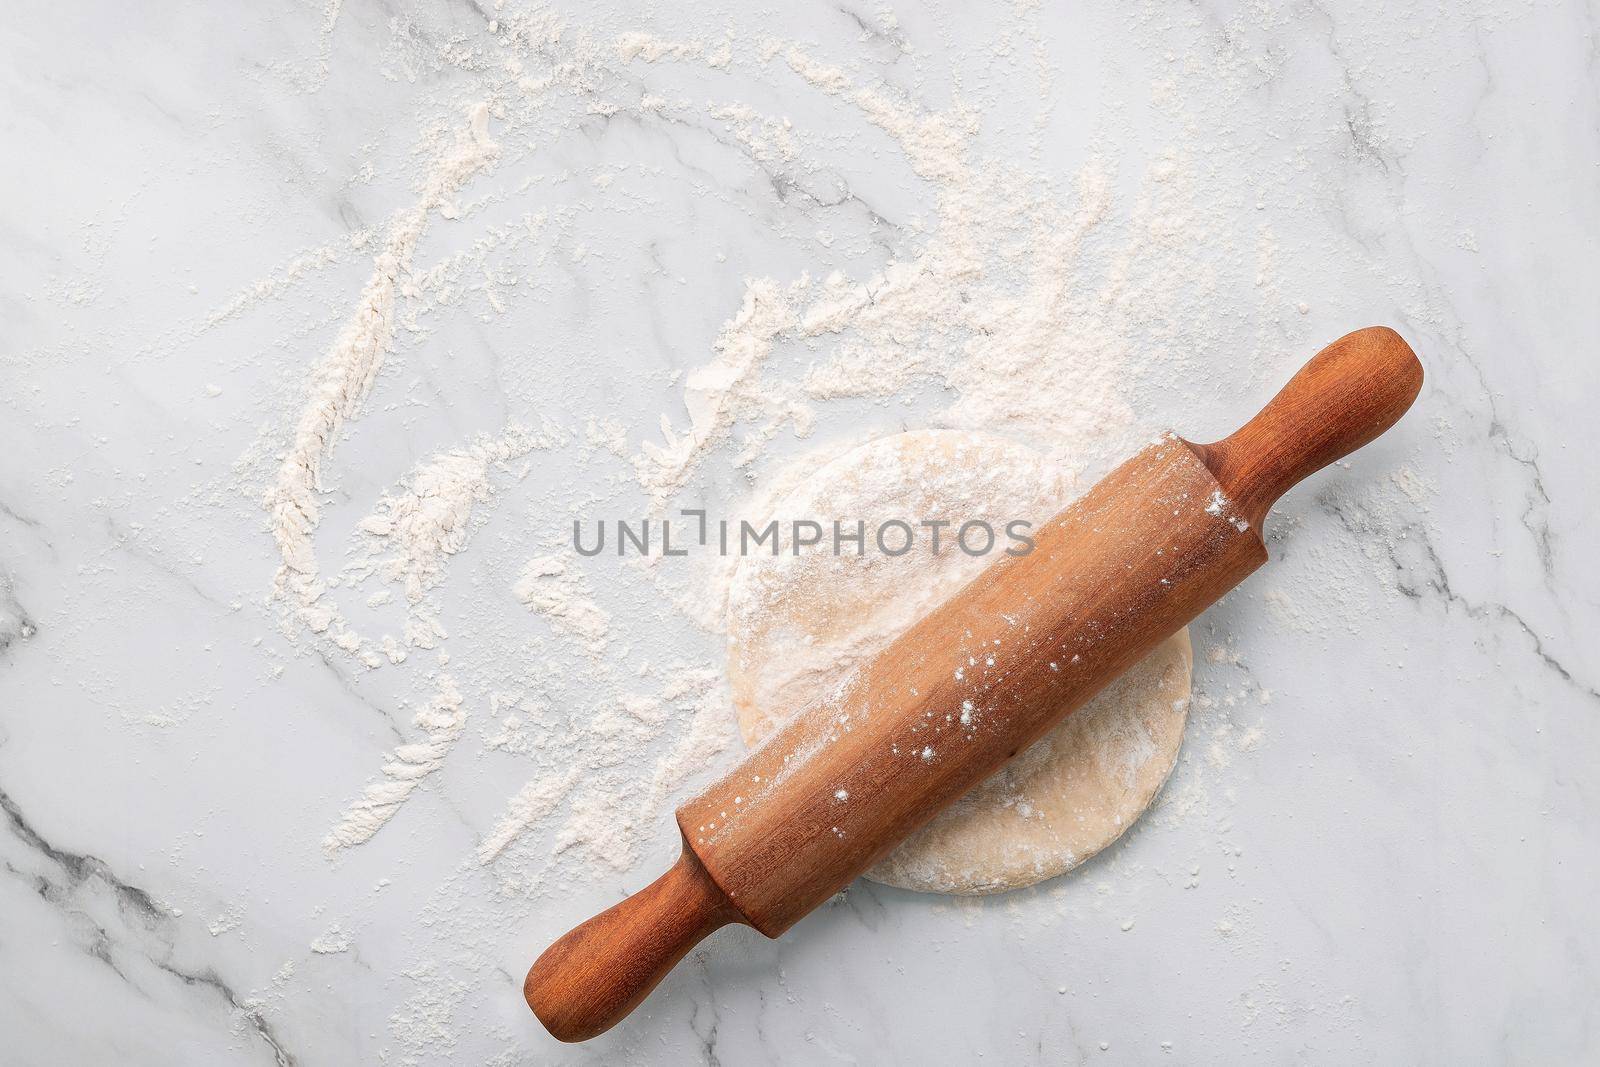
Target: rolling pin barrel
x=1032, y=638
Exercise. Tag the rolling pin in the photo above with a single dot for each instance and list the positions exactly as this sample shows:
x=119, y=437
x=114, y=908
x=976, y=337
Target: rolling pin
x=1030, y=639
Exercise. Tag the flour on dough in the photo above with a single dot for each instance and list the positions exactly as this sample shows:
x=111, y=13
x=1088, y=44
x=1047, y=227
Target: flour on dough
x=797, y=623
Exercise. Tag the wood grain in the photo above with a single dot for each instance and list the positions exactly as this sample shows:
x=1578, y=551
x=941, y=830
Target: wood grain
x=1030, y=639
x=581, y=985
x=1347, y=394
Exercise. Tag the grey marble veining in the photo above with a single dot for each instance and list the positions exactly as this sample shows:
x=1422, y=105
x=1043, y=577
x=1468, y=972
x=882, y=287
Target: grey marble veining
x=1398, y=866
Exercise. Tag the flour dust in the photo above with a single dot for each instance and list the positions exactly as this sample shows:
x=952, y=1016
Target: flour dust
x=1007, y=298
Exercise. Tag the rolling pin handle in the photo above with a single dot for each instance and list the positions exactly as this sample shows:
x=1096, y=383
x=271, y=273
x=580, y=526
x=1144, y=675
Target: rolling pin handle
x=586, y=982
x=1350, y=392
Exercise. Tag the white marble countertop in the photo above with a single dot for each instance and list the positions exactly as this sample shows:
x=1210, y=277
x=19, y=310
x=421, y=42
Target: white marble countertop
x=1381, y=842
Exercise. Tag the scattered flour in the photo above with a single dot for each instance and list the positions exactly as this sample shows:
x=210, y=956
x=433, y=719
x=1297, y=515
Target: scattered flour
x=1018, y=303
x=1220, y=506
x=725, y=390
x=631, y=46
x=429, y=518
x=442, y=721
x=229, y=920
x=710, y=733
x=988, y=301
x=994, y=306
x=533, y=802
x=342, y=380
x=562, y=595
x=331, y=942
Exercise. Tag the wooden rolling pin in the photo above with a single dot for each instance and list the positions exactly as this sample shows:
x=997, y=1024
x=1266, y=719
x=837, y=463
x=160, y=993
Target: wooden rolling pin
x=980, y=679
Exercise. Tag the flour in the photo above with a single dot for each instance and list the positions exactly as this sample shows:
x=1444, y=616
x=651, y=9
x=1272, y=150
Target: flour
x=441, y=721
x=1220, y=505
x=994, y=306
x=299, y=269
x=533, y=802
x=597, y=829
x=724, y=390
x=342, y=380
x=561, y=594
x=427, y=519
x=768, y=139
x=631, y=46
x=1011, y=300
x=710, y=733
x=331, y=942
x=1027, y=348
x=228, y=921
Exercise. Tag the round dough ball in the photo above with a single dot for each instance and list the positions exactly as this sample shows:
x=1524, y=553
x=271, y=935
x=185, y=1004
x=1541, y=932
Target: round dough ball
x=797, y=623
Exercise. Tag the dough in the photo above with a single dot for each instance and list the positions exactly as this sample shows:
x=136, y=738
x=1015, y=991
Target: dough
x=797, y=623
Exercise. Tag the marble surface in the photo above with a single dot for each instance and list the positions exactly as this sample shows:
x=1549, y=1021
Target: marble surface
x=1381, y=844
